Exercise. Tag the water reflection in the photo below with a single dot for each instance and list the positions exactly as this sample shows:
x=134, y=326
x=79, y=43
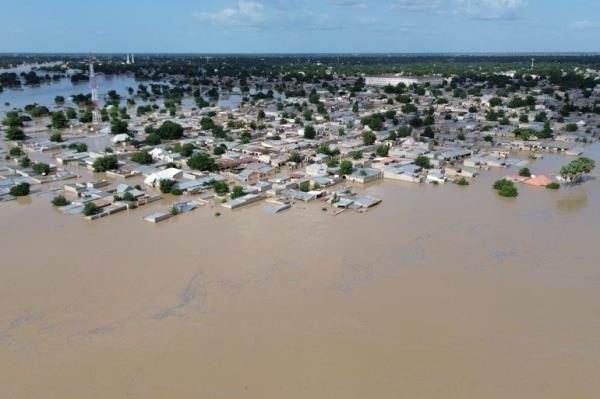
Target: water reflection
x=572, y=202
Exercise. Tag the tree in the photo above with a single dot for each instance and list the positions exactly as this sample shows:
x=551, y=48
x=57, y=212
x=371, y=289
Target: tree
x=382, y=150
x=16, y=151
x=41, y=168
x=423, y=162
x=102, y=164
x=309, y=132
x=219, y=150
x=524, y=172
x=304, y=187
x=571, y=127
x=220, y=187
x=90, y=209
x=142, y=157
x=505, y=188
x=573, y=172
x=295, y=157
x=56, y=137
x=369, y=138
x=238, y=191
x=59, y=120
x=153, y=139
x=119, y=126
x=170, y=131
x=201, y=161
x=25, y=162
x=15, y=133
x=60, y=200
x=19, y=190
x=166, y=185
x=355, y=107
x=346, y=167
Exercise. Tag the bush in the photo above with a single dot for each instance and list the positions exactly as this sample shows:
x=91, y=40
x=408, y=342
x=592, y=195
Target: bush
x=201, y=161
x=142, y=157
x=78, y=147
x=176, y=191
x=423, y=162
x=102, y=164
x=369, y=138
x=462, y=182
x=506, y=188
x=60, y=200
x=56, y=137
x=553, y=186
x=304, y=186
x=382, y=150
x=525, y=172
x=41, y=168
x=220, y=186
x=25, y=162
x=16, y=152
x=20, y=190
x=170, y=131
x=15, y=133
x=166, y=185
x=238, y=191
x=90, y=209
x=346, y=167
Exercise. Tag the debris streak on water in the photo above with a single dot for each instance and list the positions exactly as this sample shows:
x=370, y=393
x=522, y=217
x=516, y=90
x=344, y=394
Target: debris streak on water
x=439, y=292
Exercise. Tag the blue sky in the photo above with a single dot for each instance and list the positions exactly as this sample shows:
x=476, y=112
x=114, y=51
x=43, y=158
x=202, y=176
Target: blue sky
x=287, y=26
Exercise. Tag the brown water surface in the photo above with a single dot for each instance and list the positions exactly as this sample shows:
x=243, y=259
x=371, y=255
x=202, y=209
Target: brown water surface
x=439, y=292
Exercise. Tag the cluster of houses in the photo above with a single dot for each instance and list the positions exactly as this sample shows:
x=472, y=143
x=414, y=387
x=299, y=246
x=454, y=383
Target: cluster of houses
x=264, y=147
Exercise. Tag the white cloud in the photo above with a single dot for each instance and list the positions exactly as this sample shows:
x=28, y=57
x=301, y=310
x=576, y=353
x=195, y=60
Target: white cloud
x=480, y=9
x=247, y=13
x=584, y=25
x=415, y=5
x=348, y=3
x=490, y=9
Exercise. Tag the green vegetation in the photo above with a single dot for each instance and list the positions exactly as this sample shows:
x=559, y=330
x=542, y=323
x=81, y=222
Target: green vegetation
x=525, y=172
x=309, y=132
x=238, y=191
x=60, y=200
x=166, y=185
x=506, y=188
x=90, y=209
x=15, y=133
x=220, y=187
x=423, y=162
x=170, y=131
x=41, y=168
x=573, y=172
x=304, y=186
x=142, y=157
x=78, y=147
x=20, y=190
x=382, y=150
x=102, y=164
x=462, y=182
x=56, y=137
x=346, y=167
x=369, y=138
x=202, y=161
x=553, y=186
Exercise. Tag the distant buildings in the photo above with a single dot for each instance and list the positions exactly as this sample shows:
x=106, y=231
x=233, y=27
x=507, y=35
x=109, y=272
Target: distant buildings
x=395, y=79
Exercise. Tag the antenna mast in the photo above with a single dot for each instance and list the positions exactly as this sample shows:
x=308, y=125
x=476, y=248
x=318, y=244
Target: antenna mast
x=94, y=89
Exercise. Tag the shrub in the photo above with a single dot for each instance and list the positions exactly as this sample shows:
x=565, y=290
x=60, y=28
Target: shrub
x=238, y=191
x=506, y=188
x=423, y=162
x=170, y=131
x=346, y=167
x=16, y=152
x=166, y=185
x=90, y=209
x=553, y=186
x=102, y=164
x=382, y=150
x=201, y=161
x=15, y=133
x=20, y=190
x=525, y=172
x=56, y=137
x=41, y=168
x=220, y=187
x=176, y=191
x=462, y=182
x=60, y=200
x=78, y=147
x=304, y=186
x=142, y=157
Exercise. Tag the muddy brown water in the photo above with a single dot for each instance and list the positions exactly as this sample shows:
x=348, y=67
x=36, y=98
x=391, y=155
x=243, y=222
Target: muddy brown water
x=439, y=292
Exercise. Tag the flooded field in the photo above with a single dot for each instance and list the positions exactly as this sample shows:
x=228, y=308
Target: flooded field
x=439, y=292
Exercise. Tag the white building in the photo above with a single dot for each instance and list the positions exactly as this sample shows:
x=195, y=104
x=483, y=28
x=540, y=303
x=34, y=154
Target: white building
x=395, y=79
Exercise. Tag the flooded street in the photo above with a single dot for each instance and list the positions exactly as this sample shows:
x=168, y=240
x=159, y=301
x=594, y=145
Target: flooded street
x=439, y=292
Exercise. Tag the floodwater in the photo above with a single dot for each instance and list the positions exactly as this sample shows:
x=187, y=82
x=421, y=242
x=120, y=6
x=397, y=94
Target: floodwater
x=439, y=292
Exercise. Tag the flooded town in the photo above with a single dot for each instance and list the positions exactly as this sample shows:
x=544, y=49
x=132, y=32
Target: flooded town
x=299, y=226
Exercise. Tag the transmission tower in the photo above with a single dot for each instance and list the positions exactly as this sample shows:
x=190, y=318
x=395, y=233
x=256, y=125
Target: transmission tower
x=94, y=88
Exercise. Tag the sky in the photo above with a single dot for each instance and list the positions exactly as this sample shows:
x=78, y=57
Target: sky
x=300, y=26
